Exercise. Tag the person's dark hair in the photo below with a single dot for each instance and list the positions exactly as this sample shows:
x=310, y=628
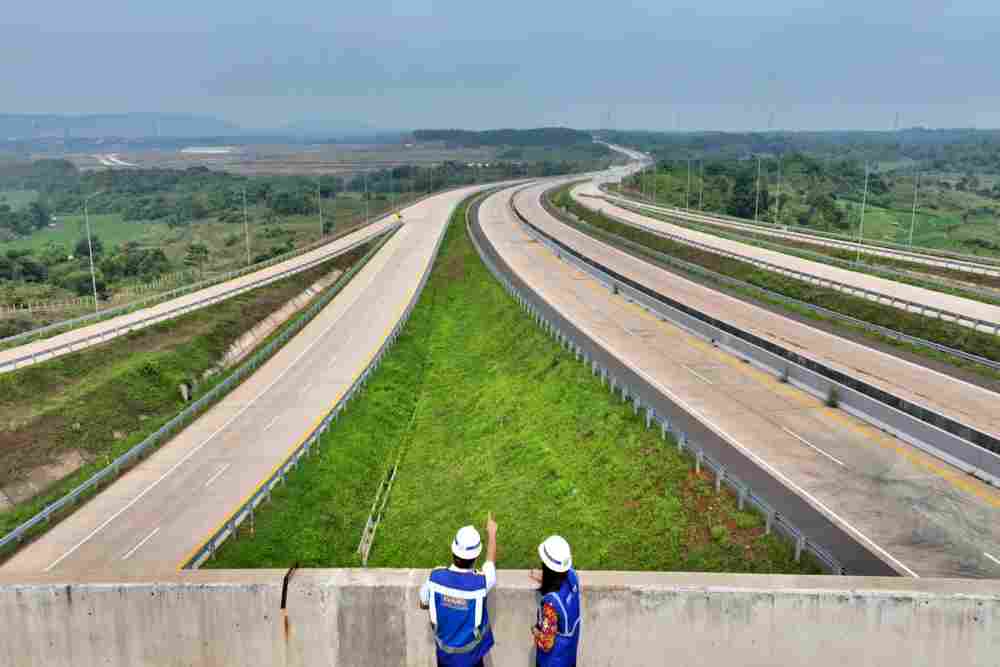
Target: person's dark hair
x=464, y=563
x=551, y=580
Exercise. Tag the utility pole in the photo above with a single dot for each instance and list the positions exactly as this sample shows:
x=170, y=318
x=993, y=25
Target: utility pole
x=319, y=206
x=861, y=226
x=246, y=224
x=655, y=170
x=756, y=201
x=913, y=215
x=90, y=247
x=364, y=176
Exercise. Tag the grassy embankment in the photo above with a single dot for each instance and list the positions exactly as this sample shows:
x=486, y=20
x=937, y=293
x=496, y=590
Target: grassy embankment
x=821, y=253
x=945, y=333
x=490, y=414
x=97, y=403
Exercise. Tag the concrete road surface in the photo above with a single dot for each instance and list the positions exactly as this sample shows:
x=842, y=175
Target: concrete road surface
x=54, y=346
x=959, y=400
x=772, y=230
x=585, y=193
x=923, y=516
x=156, y=515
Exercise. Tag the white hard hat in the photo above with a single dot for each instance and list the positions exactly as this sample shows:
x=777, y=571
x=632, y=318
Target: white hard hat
x=554, y=552
x=467, y=543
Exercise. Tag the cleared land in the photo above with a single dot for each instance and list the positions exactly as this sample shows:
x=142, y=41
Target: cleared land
x=489, y=414
x=67, y=417
x=17, y=199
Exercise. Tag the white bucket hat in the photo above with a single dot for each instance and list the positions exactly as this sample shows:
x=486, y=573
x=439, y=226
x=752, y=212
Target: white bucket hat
x=554, y=552
x=467, y=543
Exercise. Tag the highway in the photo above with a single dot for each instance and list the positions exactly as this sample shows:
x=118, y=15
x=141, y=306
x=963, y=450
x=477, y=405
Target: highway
x=920, y=515
x=586, y=193
x=156, y=515
x=805, y=237
x=104, y=330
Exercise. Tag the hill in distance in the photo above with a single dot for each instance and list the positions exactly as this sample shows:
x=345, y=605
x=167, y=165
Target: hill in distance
x=118, y=125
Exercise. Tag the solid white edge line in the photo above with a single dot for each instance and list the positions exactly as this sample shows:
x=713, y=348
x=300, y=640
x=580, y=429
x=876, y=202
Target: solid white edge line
x=271, y=423
x=992, y=558
x=131, y=551
x=867, y=349
x=195, y=450
x=774, y=472
x=697, y=374
x=219, y=472
x=812, y=446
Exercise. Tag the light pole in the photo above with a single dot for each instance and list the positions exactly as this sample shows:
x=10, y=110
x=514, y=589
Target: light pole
x=90, y=246
x=246, y=224
x=701, y=195
x=364, y=176
x=319, y=206
x=756, y=201
x=687, y=193
x=913, y=215
x=861, y=226
x=779, y=191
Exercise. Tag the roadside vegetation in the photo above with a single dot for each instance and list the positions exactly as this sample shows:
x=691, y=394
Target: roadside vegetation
x=816, y=180
x=62, y=420
x=945, y=333
x=486, y=413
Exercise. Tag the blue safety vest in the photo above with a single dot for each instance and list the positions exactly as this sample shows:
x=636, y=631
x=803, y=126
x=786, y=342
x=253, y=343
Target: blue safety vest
x=459, y=616
x=567, y=605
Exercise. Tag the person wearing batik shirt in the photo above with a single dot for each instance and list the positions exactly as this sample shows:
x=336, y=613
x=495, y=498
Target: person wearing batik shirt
x=557, y=629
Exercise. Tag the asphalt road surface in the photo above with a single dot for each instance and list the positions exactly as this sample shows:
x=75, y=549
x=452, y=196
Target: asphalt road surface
x=585, y=194
x=154, y=517
x=923, y=516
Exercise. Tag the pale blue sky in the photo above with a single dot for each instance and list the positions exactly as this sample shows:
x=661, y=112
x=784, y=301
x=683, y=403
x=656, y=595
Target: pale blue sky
x=400, y=64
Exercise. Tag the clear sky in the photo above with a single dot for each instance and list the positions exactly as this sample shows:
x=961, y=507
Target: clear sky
x=712, y=64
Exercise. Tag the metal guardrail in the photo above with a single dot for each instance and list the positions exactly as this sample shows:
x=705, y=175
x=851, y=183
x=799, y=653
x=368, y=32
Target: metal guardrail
x=708, y=449
x=930, y=281
x=35, y=357
x=967, y=263
x=925, y=310
x=191, y=412
x=263, y=492
x=697, y=269
x=967, y=448
x=153, y=298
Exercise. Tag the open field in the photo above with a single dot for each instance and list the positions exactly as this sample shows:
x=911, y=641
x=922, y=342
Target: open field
x=63, y=419
x=489, y=414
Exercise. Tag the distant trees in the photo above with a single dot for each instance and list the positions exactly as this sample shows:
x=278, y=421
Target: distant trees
x=196, y=256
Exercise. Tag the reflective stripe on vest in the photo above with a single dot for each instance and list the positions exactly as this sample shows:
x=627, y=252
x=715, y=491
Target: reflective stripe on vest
x=478, y=595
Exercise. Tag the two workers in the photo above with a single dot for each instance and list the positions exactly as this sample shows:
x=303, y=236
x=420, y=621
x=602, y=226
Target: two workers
x=455, y=598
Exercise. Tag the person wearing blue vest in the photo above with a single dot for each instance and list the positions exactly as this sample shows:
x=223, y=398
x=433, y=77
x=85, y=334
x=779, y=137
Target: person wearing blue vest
x=557, y=630
x=455, y=597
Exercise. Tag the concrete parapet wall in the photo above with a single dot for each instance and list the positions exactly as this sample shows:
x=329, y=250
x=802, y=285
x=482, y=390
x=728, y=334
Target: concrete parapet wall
x=370, y=617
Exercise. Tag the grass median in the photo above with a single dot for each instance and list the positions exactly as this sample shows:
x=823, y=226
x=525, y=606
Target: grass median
x=487, y=413
x=948, y=334
x=64, y=419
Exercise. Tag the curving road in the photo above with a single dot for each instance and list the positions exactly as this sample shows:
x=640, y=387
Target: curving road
x=589, y=195
x=156, y=515
x=105, y=330
x=804, y=237
x=922, y=516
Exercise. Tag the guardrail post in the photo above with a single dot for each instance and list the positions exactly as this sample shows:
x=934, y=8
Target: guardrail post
x=649, y=417
x=697, y=461
x=719, y=475
x=742, y=498
x=768, y=520
x=799, y=545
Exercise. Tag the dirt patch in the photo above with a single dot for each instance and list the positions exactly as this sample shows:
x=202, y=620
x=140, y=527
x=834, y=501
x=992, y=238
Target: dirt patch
x=715, y=516
x=41, y=478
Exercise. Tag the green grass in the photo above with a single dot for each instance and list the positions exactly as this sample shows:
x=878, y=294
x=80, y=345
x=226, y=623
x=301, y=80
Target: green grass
x=17, y=199
x=949, y=334
x=491, y=415
x=102, y=401
x=70, y=228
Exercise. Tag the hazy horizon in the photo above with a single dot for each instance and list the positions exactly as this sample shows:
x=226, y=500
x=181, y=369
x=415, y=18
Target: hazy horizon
x=403, y=65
